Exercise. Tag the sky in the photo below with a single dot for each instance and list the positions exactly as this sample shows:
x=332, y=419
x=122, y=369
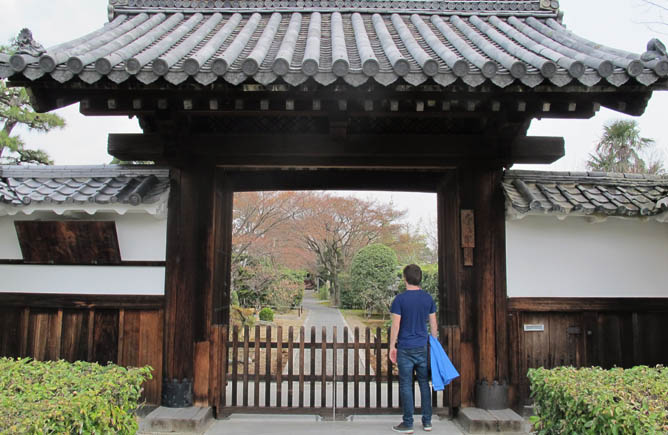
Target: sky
x=621, y=24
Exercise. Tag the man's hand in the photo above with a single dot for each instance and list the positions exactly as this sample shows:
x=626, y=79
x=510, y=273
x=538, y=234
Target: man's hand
x=393, y=355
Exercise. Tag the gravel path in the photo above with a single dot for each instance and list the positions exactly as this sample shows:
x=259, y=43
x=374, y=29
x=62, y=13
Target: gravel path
x=319, y=316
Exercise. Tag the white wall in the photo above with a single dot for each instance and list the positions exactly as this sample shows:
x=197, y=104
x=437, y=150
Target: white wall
x=9, y=242
x=141, y=237
x=547, y=257
x=102, y=280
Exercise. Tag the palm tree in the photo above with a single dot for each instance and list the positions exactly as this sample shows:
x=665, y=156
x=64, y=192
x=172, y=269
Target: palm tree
x=620, y=149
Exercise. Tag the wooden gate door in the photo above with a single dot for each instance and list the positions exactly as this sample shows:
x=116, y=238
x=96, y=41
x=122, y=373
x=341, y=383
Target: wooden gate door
x=549, y=340
x=330, y=372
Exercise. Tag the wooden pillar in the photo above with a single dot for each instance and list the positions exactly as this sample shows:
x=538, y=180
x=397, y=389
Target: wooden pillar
x=488, y=275
x=187, y=298
x=448, y=250
x=220, y=248
x=480, y=286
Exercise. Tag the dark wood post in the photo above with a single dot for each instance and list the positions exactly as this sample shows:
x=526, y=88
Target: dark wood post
x=488, y=285
x=187, y=304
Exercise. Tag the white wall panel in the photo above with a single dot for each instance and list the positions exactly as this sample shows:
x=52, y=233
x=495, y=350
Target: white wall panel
x=103, y=280
x=574, y=258
x=141, y=237
x=9, y=242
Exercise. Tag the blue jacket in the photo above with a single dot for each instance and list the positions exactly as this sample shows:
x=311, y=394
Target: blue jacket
x=442, y=370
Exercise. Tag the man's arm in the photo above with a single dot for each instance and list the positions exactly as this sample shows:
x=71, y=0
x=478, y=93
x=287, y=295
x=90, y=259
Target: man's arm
x=394, y=334
x=432, y=324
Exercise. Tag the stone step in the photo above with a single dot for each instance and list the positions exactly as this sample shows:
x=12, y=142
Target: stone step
x=476, y=420
x=176, y=420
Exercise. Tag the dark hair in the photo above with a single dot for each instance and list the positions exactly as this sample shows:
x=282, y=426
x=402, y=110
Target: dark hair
x=413, y=274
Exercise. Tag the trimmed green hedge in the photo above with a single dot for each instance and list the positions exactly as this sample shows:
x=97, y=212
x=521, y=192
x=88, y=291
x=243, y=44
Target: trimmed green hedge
x=61, y=397
x=597, y=401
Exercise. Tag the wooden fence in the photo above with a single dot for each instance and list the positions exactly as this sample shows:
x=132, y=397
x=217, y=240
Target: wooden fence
x=125, y=330
x=269, y=369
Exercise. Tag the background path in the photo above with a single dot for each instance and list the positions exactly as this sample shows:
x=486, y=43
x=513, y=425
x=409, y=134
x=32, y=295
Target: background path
x=319, y=316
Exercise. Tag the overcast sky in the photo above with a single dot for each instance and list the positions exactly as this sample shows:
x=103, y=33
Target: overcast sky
x=616, y=23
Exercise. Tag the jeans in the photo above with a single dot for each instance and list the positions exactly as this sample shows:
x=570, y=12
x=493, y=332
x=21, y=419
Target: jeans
x=409, y=360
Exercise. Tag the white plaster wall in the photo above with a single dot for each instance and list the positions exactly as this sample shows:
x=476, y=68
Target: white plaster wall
x=103, y=280
x=547, y=257
x=141, y=237
x=9, y=242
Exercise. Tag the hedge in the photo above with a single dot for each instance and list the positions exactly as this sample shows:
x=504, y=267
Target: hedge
x=597, y=401
x=61, y=397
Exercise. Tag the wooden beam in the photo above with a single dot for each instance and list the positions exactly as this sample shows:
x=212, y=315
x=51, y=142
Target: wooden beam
x=241, y=180
x=588, y=304
x=42, y=300
x=320, y=150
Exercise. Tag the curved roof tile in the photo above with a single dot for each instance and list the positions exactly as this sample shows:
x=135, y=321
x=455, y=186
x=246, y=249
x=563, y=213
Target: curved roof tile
x=499, y=41
x=593, y=193
x=21, y=186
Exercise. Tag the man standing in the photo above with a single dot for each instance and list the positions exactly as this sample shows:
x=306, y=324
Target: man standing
x=408, y=345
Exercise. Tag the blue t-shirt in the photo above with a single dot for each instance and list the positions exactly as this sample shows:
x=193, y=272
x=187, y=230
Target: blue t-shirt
x=414, y=307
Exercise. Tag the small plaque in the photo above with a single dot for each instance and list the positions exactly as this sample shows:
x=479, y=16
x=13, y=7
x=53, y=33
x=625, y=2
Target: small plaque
x=533, y=328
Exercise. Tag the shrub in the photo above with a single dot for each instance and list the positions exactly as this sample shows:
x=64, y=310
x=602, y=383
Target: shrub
x=62, y=397
x=234, y=298
x=373, y=277
x=596, y=401
x=267, y=314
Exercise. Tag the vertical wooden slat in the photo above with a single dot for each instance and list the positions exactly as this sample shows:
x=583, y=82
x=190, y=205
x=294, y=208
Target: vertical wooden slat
x=246, y=362
x=256, y=382
x=58, y=334
x=356, y=368
x=323, y=374
x=235, y=363
x=91, y=334
x=121, y=337
x=25, y=322
x=214, y=368
x=201, y=374
x=224, y=358
x=267, y=368
x=456, y=360
x=334, y=366
x=302, y=333
x=389, y=373
x=290, y=363
x=345, y=366
x=367, y=367
x=379, y=361
x=279, y=365
x=312, y=377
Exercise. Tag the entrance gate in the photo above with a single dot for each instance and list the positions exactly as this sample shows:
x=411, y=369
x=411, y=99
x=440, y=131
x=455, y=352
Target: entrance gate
x=328, y=372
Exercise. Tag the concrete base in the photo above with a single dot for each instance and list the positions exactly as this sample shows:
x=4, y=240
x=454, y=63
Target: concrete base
x=176, y=420
x=476, y=420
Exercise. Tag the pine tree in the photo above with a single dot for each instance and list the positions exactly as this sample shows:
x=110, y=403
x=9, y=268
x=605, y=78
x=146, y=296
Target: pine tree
x=16, y=110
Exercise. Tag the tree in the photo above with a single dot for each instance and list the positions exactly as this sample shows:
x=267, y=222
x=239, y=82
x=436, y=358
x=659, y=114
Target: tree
x=334, y=228
x=621, y=148
x=16, y=110
x=373, y=274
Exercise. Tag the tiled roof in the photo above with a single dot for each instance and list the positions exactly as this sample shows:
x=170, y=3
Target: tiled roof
x=500, y=42
x=23, y=186
x=581, y=193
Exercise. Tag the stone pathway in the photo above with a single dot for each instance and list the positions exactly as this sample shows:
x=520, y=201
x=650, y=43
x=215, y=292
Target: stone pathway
x=319, y=316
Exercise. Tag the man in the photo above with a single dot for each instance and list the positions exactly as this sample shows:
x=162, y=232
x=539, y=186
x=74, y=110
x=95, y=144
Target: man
x=408, y=345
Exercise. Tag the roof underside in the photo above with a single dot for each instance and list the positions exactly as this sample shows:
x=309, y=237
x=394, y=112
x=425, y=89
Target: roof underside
x=477, y=42
x=585, y=194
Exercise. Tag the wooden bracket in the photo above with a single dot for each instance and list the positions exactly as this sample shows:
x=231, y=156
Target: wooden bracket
x=468, y=235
